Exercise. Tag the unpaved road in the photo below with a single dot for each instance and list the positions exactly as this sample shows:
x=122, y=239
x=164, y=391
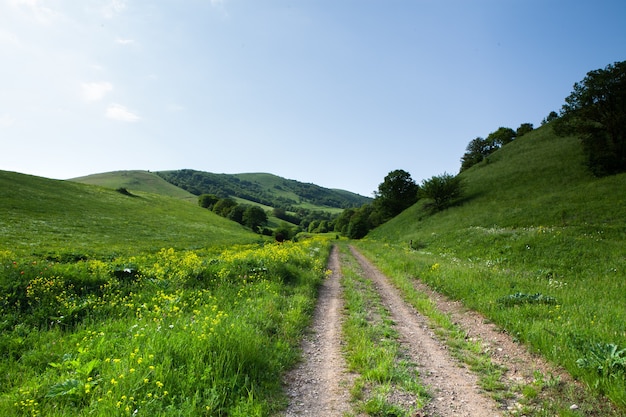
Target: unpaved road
x=320, y=385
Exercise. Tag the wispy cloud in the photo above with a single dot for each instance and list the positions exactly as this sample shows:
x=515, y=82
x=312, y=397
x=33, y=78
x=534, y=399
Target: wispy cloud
x=124, y=41
x=35, y=10
x=121, y=113
x=95, y=91
x=113, y=7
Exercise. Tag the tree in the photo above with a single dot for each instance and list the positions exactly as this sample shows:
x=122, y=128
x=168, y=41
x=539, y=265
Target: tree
x=254, y=217
x=523, y=129
x=224, y=206
x=396, y=193
x=476, y=151
x=500, y=137
x=207, y=201
x=236, y=213
x=550, y=117
x=596, y=112
x=442, y=190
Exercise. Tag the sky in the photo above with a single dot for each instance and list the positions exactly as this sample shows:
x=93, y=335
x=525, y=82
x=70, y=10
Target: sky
x=333, y=92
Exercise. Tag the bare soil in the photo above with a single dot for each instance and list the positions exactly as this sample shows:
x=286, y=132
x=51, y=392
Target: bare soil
x=320, y=385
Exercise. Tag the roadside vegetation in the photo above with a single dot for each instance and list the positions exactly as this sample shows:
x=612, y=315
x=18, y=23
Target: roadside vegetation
x=187, y=333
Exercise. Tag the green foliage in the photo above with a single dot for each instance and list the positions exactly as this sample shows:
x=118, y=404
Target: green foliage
x=265, y=189
x=254, y=217
x=396, y=193
x=523, y=129
x=607, y=360
x=521, y=298
x=596, y=112
x=501, y=137
x=442, y=190
x=478, y=149
x=204, y=332
x=207, y=201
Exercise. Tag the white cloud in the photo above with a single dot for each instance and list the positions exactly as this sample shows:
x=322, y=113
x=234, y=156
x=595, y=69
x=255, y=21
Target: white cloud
x=124, y=41
x=95, y=91
x=121, y=113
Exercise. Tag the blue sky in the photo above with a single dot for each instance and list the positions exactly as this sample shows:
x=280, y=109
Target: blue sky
x=334, y=92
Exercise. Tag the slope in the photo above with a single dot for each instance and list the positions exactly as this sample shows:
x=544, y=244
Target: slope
x=538, y=180
x=266, y=189
x=537, y=246
x=41, y=215
x=137, y=180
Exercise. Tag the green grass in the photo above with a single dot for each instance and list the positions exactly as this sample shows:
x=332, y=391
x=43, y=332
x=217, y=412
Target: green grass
x=533, y=222
x=41, y=216
x=186, y=333
x=146, y=181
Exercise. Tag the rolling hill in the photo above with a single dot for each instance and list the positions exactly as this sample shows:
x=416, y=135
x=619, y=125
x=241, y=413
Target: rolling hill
x=137, y=180
x=537, y=246
x=40, y=215
x=266, y=189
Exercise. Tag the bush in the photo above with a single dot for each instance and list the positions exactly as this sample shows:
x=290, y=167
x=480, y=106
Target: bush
x=442, y=190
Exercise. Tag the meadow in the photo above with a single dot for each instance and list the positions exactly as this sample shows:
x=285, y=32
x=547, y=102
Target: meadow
x=172, y=332
x=537, y=246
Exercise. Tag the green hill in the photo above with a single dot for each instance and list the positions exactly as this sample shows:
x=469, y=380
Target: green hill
x=41, y=215
x=146, y=181
x=266, y=189
x=537, y=246
x=538, y=180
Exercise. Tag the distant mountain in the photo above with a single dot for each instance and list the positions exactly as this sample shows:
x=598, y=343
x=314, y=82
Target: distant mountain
x=266, y=189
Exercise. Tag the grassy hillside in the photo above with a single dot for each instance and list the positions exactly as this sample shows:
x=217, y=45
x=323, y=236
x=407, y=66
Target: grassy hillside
x=146, y=181
x=42, y=215
x=266, y=189
x=537, y=245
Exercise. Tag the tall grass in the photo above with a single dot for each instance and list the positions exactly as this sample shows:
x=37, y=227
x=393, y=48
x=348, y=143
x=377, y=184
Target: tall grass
x=186, y=333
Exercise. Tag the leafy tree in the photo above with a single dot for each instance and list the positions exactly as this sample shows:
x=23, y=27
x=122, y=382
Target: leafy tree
x=342, y=222
x=396, y=193
x=207, y=201
x=500, y=137
x=596, y=111
x=284, y=232
x=224, y=206
x=254, y=217
x=236, y=213
x=359, y=222
x=523, y=129
x=476, y=151
x=442, y=190
x=550, y=117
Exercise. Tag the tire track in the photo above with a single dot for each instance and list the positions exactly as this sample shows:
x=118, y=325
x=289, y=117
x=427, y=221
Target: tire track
x=454, y=389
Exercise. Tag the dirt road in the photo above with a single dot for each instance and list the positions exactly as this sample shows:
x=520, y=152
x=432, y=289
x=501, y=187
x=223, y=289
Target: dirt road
x=320, y=385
